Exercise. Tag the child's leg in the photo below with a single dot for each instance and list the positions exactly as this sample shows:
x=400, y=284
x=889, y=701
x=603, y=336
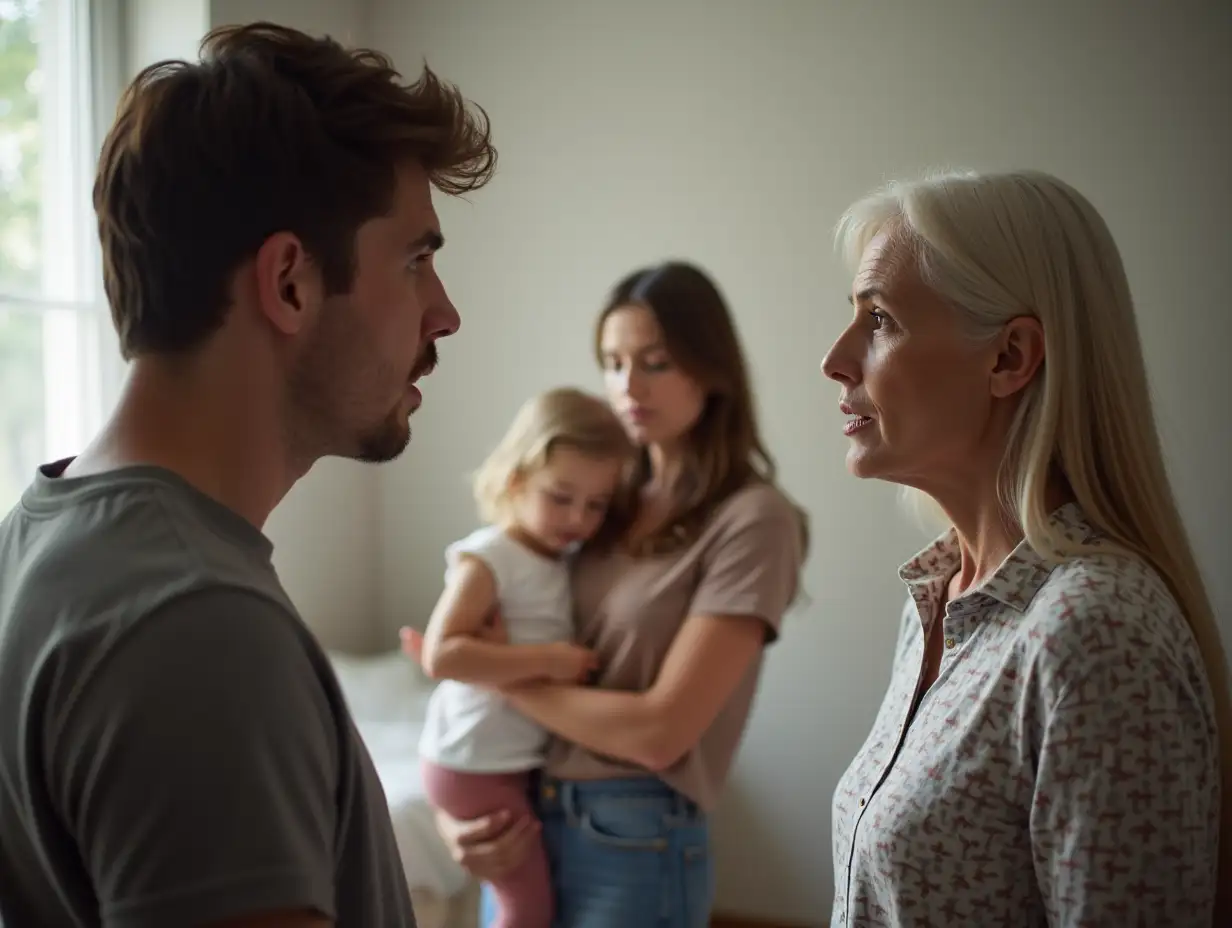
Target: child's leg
x=524, y=897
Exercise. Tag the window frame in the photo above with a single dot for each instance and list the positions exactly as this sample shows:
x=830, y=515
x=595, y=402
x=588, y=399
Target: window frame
x=83, y=61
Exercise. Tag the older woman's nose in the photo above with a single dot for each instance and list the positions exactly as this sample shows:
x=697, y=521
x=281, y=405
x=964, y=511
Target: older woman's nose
x=840, y=364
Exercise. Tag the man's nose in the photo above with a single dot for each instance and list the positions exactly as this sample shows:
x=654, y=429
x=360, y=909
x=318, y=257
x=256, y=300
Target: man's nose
x=441, y=319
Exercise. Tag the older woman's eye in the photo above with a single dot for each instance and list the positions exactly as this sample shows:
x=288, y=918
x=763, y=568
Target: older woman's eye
x=879, y=318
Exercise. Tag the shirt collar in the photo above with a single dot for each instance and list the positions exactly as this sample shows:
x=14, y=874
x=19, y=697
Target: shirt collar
x=1015, y=583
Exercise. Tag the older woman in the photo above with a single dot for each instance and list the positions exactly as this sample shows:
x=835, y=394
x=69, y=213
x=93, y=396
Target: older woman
x=1049, y=749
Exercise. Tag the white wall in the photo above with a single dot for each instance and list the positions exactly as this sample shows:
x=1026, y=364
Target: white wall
x=158, y=30
x=733, y=133
x=325, y=532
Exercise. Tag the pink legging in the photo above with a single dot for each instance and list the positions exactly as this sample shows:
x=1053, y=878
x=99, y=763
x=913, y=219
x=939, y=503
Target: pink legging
x=524, y=895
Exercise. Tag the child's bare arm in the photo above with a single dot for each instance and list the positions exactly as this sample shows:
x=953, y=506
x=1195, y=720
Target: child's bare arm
x=454, y=650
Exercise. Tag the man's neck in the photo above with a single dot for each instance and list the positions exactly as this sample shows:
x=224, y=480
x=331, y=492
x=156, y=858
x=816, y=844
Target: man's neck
x=222, y=435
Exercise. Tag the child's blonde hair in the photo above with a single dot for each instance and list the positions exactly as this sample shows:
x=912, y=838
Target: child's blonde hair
x=564, y=417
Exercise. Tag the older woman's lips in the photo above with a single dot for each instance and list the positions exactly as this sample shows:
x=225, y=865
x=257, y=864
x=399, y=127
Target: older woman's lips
x=855, y=423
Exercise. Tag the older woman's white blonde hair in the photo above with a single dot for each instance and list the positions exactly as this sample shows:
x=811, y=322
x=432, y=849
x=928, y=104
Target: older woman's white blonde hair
x=997, y=246
x=562, y=417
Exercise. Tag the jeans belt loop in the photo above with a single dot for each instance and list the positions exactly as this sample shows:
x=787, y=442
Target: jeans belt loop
x=568, y=797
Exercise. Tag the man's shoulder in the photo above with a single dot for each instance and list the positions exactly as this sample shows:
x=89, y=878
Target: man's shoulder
x=128, y=543
x=85, y=566
x=233, y=660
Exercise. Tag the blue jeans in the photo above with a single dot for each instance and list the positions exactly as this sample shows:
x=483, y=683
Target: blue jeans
x=623, y=853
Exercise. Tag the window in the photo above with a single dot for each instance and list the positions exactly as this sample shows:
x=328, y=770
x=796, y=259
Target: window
x=60, y=61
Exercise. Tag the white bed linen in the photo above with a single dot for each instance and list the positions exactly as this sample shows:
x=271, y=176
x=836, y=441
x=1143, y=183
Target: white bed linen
x=388, y=697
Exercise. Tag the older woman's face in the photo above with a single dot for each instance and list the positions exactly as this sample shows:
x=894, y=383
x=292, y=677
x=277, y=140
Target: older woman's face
x=915, y=390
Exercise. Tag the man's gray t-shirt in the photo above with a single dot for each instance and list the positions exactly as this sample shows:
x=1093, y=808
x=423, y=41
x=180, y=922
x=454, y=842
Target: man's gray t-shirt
x=174, y=746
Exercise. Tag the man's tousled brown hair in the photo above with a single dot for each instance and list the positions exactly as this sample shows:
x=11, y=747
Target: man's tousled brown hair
x=271, y=131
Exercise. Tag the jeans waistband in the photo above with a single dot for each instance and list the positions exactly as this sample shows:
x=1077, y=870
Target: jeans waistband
x=574, y=796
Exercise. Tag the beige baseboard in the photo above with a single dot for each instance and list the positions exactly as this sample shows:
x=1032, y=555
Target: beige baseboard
x=743, y=921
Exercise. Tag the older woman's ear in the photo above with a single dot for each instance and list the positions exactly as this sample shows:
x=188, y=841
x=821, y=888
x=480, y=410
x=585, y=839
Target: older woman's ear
x=1020, y=353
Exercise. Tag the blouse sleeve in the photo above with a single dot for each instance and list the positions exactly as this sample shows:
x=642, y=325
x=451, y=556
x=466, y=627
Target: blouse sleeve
x=1126, y=791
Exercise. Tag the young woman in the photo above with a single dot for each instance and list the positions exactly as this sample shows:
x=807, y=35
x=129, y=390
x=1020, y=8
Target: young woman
x=678, y=608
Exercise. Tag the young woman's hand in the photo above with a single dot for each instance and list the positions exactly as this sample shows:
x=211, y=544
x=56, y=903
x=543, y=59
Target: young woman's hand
x=569, y=662
x=491, y=846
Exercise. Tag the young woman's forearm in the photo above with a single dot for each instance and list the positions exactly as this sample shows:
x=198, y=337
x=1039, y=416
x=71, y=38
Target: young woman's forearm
x=623, y=725
x=657, y=727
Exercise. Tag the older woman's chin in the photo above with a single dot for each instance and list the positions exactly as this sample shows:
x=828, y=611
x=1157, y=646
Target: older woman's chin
x=862, y=464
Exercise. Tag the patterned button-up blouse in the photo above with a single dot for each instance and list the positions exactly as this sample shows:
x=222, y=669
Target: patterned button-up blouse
x=1062, y=769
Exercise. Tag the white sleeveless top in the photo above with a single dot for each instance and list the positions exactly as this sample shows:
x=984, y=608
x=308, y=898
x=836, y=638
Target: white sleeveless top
x=472, y=729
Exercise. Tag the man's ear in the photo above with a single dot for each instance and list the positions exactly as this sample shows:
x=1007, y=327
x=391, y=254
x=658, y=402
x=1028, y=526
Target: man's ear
x=289, y=286
x=1020, y=353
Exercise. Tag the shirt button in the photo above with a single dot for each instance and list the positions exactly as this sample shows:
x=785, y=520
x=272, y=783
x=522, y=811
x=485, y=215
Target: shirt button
x=862, y=802
x=949, y=643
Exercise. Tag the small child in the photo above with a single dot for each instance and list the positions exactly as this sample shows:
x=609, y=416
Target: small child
x=545, y=490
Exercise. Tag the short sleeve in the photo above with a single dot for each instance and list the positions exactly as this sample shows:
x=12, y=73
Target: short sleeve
x=751, y=566
x=197, y=768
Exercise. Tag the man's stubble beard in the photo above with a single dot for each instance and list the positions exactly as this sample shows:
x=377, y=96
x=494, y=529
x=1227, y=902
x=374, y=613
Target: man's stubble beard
x=386, y=442
x=391, y=438
x=323, y=400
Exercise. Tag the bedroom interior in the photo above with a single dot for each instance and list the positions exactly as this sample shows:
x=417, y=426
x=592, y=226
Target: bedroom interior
x=732, y=133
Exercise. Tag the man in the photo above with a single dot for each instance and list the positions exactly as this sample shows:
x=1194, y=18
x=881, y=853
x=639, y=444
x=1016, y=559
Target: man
x=174, y=749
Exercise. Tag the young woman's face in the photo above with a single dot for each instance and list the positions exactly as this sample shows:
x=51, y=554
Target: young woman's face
x=657, y=402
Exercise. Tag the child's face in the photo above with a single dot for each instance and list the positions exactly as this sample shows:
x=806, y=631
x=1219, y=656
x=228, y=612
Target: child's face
x=565, y=501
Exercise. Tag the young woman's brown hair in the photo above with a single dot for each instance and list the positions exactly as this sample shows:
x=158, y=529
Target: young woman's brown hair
x=725, y=450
